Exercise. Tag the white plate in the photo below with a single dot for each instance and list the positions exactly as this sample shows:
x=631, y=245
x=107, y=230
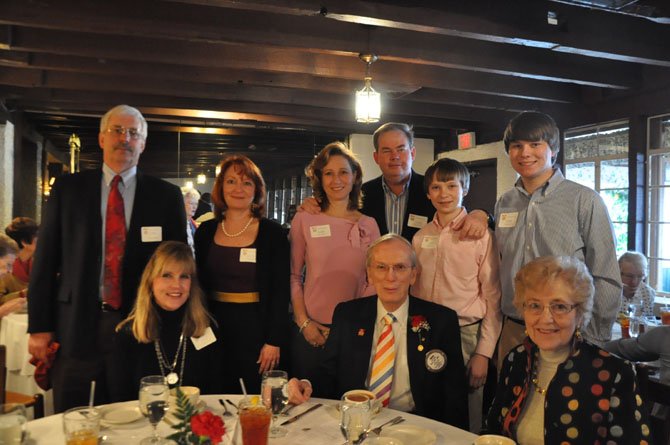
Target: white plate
x=383, y=441
x=121, y=415
x=492, y=439
x=410, y=434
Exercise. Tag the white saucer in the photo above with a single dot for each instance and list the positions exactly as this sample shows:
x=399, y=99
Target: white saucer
x=121, y=414
x=410, y=434
x=383, y=441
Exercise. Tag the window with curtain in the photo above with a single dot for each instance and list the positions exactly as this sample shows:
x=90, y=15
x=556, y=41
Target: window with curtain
x=597, y=157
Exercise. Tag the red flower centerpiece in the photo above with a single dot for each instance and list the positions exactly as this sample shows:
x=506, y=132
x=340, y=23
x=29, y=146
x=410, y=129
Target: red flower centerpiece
x=192, y=427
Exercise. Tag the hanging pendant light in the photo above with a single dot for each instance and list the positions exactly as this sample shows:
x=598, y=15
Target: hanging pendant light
x=368, y=101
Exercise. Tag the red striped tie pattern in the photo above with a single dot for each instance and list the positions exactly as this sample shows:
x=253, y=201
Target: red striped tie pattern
x=381, y=377
x=115, y=243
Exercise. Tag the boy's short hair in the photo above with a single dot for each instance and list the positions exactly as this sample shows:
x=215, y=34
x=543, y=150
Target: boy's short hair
x=447, y=169
x=533, y=126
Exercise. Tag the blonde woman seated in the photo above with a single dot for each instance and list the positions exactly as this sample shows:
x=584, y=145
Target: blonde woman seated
x=556, y=388
x=169, y=331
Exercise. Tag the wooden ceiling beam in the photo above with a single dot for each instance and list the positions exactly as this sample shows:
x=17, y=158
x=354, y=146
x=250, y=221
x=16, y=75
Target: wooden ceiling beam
x=590, y=33
x=316, y=35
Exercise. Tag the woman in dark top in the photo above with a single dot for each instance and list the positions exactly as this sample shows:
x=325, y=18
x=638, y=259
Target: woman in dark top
x=169, y=331
x=243, y=264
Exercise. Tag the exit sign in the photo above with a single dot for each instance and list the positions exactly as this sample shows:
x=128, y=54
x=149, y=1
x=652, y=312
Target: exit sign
x=466, y=140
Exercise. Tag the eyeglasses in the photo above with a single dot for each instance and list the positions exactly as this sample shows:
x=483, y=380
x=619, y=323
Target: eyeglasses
x=118, y=130
x=632, y=276
x=383, y=269
x=555, y=308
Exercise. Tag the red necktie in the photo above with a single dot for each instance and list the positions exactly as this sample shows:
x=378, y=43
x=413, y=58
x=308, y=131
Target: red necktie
x=115, y=242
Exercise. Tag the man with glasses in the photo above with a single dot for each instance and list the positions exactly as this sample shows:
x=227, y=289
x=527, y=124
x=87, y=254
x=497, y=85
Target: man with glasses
x=98, y=232
x=405, y=350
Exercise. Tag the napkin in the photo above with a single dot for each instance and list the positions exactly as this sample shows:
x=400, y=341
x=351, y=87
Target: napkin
x=42, y=369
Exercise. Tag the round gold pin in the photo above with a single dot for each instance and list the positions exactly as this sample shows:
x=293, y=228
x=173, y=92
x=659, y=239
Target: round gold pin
x=420, y=347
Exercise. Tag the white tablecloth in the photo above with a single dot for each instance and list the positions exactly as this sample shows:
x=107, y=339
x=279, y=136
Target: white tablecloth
x=320, y=427
x=14, y=335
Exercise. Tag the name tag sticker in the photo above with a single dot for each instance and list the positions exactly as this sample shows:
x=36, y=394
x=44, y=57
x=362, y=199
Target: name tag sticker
x=429, y=242
x=152, y=234
x=508, y=219
x=417, y=221
x=205, y=340
x=320, y=231
x=247, y=255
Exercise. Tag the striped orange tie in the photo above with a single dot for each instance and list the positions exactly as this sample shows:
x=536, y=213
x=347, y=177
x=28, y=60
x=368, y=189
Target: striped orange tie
x=381, y=377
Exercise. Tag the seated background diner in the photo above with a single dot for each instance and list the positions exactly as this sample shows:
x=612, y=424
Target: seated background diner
x=23, y=231
x=243, y=265
x=636, y=291
x=169, y=331
x=8, y=252
x=556, y=387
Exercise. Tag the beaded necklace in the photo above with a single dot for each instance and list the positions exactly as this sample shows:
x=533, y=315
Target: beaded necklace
x=172, y=377
x=233, y=235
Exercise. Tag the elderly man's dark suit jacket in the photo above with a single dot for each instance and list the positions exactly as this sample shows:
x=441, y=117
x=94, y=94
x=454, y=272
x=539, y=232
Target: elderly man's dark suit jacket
x=417, y=203
x=439, y=395
x=64, y=282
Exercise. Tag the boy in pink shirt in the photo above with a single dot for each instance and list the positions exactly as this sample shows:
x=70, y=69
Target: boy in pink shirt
x=462, y=275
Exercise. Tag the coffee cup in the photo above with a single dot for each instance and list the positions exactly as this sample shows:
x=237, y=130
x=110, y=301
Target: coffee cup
x=362, y=395
x=192, y=393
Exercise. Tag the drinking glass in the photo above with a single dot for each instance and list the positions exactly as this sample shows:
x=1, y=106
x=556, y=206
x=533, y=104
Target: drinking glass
x=634, y=327
x=274, y=390
x=12, y=419
x=154, y=393
x=81, y=426
x=355, y=416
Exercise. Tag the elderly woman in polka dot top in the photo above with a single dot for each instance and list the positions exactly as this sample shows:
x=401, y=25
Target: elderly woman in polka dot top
x=556, y=388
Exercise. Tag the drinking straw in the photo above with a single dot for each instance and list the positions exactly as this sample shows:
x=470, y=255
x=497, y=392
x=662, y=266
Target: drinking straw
x=92, y=395
x=244, y=388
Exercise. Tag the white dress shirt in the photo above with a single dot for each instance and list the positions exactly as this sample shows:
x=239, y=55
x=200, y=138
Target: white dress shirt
x=401, y=394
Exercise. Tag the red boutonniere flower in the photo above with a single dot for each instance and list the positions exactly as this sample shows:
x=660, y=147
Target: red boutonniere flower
x=420, y=325
x=209, y=425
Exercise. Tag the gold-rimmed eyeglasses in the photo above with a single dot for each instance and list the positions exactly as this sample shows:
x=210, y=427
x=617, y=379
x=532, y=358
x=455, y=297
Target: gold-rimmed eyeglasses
x=400, y=268
x=556, y=308
x=118, y=130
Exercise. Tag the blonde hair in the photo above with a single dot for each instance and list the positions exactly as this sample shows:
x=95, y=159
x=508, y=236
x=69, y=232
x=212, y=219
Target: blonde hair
x=144, y=317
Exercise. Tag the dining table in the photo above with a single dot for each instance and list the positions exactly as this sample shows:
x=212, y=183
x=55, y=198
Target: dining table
x=318, y=427
x=20, y=373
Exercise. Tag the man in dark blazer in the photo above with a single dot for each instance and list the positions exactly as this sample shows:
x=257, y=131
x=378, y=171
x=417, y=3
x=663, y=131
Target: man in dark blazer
x=429, y=375
x=66, y=287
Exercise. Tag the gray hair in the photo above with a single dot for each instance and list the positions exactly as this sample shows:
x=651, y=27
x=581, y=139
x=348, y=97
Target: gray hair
x=388, y=238
x=637, y=259
x=190, y=192
x=125, y=110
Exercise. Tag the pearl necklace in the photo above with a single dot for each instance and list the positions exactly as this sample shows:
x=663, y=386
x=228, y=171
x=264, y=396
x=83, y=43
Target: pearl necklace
x=233, y=235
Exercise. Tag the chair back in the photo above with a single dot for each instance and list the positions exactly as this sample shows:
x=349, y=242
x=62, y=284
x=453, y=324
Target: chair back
x=653, y=391
x=3, y=372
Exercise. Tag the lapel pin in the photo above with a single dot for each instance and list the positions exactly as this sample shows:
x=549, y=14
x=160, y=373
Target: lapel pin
x=361, y=332
x=420, y=348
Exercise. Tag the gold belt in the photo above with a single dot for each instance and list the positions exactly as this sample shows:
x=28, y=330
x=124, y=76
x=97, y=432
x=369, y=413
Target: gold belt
x=237, y=297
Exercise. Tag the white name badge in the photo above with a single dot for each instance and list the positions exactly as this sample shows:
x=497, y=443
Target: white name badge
x=436, y=360
x=152, y=234
x=320, y=231
x=205, y=340
x=429, y=242
x=248, y=255
x=508, y=219
x=417, y=221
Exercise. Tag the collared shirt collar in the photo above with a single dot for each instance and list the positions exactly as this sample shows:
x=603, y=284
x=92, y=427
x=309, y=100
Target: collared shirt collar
x=126, y=176
x=387, y=189
x=459, y=217
x=548, y=187
x=401, y=314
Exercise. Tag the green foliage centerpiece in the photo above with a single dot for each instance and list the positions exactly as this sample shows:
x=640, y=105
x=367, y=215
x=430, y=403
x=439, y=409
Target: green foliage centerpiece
x=193, y=427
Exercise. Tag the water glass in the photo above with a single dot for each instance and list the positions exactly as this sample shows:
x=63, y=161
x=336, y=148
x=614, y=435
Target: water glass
x=153, y=399
x=81, y=426
x=12, y=419
x=355, y=416
x=274, y=391
x=634, y=327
